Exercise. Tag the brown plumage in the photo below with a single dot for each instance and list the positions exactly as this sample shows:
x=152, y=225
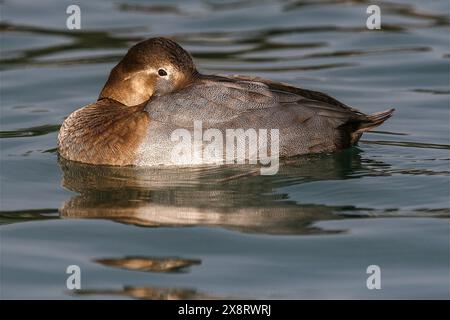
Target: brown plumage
x=156, y=89
x=106, y=132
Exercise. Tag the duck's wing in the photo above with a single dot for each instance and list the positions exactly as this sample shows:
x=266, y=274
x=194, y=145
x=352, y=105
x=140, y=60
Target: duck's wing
x=323, y=100
x=246, y=102
x=285, y=88
x=356, y=122
x=217, y=99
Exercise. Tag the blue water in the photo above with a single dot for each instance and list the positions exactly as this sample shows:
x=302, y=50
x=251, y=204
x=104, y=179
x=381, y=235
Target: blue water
x=310, y=231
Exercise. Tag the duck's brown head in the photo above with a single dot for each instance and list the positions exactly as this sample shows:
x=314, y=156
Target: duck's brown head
x=155, y=66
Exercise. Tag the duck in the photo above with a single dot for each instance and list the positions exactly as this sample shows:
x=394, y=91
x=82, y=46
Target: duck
x=156, y=89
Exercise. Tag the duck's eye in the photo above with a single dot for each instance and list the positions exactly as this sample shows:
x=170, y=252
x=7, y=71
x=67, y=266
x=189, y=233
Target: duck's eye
x=162, y=72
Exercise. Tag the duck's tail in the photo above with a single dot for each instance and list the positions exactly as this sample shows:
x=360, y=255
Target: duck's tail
x=369, y=122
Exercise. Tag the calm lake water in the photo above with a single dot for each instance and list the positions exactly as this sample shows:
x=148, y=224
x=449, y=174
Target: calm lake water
x=310, y=231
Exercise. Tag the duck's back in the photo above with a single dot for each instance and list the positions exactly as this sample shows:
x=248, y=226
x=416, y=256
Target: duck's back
x=308, y=121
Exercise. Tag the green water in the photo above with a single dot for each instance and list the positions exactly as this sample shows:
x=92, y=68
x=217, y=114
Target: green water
x=308, y=232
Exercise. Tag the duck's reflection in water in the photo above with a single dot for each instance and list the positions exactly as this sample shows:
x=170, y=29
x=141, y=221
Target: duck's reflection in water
x=151, y=293
x=150, y=264
x=231, y=197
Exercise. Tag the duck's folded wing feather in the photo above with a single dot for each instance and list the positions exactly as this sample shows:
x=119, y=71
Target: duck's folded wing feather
x=217, y=101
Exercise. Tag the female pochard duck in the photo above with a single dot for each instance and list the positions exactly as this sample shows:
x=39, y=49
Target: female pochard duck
x=156, y=89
